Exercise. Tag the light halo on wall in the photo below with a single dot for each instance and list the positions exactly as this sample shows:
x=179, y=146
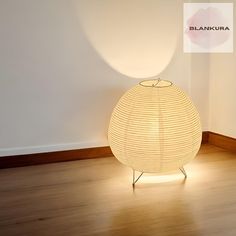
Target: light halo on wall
x=136, y=38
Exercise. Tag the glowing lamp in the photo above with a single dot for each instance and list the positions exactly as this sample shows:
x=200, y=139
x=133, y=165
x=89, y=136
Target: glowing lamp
x=155, y=128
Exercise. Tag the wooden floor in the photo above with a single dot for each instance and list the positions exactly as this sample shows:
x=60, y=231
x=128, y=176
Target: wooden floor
x=95, y=197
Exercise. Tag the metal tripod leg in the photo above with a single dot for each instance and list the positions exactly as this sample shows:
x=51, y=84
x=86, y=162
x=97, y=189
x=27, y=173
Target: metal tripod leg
x=136, y=180
x=183, y=171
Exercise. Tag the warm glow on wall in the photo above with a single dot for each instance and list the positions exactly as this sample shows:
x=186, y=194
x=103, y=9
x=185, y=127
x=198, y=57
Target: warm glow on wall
x=136, y=38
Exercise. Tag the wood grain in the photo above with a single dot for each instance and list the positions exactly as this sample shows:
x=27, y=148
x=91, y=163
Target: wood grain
x=95, y=198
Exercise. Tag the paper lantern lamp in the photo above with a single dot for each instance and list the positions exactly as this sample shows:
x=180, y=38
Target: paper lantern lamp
x=155, y=128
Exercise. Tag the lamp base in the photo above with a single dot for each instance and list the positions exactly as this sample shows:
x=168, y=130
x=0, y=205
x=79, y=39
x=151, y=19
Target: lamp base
x=135, y=180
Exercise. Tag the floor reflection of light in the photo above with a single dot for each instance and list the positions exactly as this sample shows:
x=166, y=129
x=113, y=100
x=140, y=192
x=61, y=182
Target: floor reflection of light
x=195, y=173
x=161, y=178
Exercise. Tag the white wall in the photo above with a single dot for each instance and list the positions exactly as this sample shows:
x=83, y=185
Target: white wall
x=222, y=74
x=223, y=94
x=57, y=91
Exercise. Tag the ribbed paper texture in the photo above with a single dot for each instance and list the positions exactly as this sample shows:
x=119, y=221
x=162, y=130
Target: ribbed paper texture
x=155, y=128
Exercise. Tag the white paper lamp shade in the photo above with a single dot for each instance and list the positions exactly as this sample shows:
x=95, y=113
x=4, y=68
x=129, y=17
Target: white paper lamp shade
x=155, y=127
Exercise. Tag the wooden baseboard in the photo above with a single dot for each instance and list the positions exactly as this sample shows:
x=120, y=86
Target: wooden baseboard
x=51, y=157
x=96, y=152
x=205, y=137
x=222, y=141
